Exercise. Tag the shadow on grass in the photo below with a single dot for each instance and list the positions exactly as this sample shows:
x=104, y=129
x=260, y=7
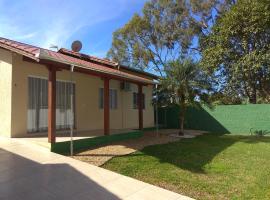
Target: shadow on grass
x=194, y=154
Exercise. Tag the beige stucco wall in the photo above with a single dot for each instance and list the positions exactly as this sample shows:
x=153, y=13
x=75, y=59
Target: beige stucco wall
x=5, y=92
x=88, y=115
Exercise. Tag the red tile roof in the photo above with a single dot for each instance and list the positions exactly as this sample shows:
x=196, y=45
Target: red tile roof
x=24, y=49
x=106, y=62
x=71, y=58
x=88, y=57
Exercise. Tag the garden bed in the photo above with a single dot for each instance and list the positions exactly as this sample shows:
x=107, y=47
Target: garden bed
x=101, y=154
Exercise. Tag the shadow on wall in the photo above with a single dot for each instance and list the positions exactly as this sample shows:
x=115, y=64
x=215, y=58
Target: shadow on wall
x=234, y=119
x=201, y=119
x=197, y=119
x=21, y=178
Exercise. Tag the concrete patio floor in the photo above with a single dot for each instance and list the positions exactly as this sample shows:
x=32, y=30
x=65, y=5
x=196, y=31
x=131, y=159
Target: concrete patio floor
x=63, y=136
x=29, y=171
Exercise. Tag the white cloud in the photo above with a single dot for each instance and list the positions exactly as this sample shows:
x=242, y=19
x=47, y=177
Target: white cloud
x=46, y=22
x=26, y=36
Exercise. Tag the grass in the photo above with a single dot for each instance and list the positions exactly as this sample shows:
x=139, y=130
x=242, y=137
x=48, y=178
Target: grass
x=207, y=167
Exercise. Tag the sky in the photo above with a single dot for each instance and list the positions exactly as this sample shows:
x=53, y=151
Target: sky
x=59, y=22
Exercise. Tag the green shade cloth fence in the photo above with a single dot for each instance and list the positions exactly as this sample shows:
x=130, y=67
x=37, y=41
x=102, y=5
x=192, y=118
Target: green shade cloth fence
x=234, y=119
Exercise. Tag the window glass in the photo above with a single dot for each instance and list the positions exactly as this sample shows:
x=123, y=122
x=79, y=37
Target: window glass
x=136, y=100
x=113, y=98
x=37, y=119
x=101, y=98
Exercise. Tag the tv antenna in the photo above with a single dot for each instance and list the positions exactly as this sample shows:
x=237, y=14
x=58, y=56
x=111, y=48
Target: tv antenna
x=53, y=46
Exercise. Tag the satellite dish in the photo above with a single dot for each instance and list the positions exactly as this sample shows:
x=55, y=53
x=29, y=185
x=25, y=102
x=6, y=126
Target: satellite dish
x=76, y=46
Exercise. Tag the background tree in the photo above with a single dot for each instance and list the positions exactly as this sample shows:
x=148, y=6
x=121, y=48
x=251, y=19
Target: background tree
x=187, y=85
x=227, y=98
x=167, y=30
x=237, y=52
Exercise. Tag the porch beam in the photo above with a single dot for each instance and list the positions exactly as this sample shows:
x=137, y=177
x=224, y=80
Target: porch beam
x=140, y=106
x=106, y=106
x=51, y=104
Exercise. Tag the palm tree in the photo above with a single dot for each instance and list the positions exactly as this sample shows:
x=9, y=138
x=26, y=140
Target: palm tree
x=188, y=86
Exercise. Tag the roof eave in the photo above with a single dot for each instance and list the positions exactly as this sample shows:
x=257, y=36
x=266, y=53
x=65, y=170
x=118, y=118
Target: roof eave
x=13, y=49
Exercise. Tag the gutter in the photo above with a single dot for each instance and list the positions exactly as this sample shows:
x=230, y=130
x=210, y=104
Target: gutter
x=139, y=71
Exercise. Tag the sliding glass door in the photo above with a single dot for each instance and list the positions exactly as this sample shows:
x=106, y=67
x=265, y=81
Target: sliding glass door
x=38, y=104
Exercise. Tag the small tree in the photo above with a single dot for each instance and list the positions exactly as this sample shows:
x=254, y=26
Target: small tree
x=187, y=85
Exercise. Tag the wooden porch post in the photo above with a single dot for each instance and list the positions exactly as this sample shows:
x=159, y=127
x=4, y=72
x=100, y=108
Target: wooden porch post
x=51, y=104
x=106, y=106
x=140, y=106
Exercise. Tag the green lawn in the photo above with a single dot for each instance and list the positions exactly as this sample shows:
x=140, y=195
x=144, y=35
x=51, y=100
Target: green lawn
x=207, y=167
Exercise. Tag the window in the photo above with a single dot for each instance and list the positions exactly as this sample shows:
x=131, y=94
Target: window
x=101, y=99
x=136, y=102
x=113, y=98
x=64, y=92
x=37, y=120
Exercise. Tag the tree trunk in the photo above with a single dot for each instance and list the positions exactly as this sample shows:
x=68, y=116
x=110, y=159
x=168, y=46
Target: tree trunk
x=181, y=122
x=253, y=96
x=182, y=115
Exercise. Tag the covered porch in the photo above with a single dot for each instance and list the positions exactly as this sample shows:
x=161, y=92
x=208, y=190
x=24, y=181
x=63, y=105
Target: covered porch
x=60, y=136
x=55, y=66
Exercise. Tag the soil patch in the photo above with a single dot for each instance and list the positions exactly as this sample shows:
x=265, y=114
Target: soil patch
x=101, y=154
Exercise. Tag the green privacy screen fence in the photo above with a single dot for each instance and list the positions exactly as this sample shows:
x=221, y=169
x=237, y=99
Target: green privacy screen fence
x=234, y=119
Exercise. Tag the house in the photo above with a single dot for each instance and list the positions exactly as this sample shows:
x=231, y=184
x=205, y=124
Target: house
x=48, y=91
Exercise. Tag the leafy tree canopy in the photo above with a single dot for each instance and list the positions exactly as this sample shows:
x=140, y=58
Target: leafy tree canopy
x=166, y=31
x=237, y=51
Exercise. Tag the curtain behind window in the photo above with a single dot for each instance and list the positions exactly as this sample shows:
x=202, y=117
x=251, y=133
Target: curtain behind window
x=38, y=104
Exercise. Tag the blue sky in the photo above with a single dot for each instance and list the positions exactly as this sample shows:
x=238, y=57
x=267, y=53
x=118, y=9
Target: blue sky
x=47, y=22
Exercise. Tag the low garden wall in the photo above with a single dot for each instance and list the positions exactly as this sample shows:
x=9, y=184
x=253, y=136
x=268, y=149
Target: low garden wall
x=234, y=119
x=83, y=144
